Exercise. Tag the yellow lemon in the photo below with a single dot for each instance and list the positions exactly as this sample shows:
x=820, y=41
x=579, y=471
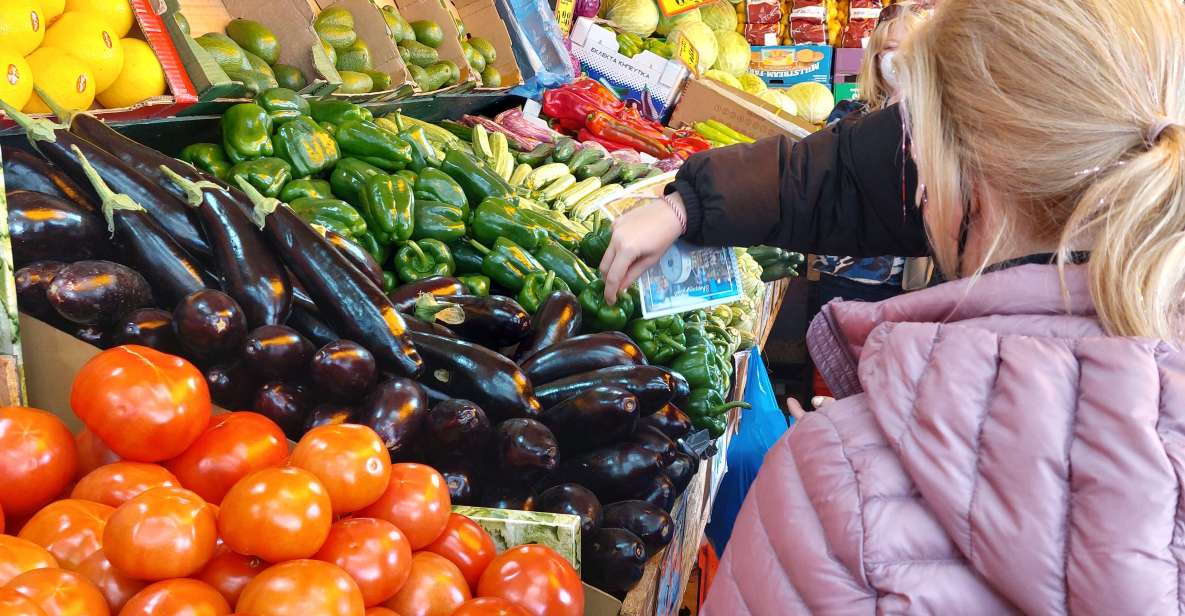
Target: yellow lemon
x=118, y=13
x=16, y=79
x=21, y=25
x=90, y=40
x=141, y=78
x=50, y=9
x=64, y=78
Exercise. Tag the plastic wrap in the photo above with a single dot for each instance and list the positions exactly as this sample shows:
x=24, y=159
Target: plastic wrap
x=538, y=46
x=808, y=22
x=862, y=18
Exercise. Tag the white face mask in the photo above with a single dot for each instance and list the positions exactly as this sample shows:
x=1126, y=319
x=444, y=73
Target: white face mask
x=888, y=71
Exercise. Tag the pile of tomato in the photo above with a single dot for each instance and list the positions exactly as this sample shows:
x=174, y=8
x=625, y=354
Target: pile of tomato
x=159, y=508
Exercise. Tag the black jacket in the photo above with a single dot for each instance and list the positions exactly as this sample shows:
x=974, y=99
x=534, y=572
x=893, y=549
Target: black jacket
x=846, y=190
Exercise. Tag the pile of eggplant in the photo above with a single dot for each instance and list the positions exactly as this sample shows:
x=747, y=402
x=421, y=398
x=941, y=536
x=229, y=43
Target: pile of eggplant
x=118, y=244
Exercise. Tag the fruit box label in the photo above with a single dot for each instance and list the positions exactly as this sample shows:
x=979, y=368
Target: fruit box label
x=649, y=80
x=782, y=66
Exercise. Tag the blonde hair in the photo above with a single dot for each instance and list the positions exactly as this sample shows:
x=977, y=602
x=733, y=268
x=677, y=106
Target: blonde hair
x=1073, y=112
x=874, y=91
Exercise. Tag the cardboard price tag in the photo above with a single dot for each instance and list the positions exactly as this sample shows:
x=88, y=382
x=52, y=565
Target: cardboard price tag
x=688, y=54
x=564, y=9
x=671, y=8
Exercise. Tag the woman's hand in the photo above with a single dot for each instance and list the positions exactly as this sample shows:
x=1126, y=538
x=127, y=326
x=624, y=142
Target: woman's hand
x=641, y=237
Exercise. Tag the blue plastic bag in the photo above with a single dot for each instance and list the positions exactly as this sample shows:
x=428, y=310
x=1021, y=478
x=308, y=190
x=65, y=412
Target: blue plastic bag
x=538, y=46
x=761, y=427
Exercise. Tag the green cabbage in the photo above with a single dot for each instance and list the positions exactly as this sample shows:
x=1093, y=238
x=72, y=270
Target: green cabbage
x=719, y=15
x=700, y=36
x=814, y=101
x=634, y=16
x=666, y=23
x=733, y=53
x=752, y=83
x=779, y=100
x=723, y=78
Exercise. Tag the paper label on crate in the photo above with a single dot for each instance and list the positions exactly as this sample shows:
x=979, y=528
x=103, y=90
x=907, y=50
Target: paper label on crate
x=689, y=55
x=690, y=277
x=865, y=13
x=564, y=9
x=818, y=12
x=674, y=7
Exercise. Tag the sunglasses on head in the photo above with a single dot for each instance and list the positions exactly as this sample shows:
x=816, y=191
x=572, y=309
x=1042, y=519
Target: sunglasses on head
x=893, y=11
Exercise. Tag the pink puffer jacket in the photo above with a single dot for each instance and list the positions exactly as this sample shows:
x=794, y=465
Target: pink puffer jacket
x=1003, y=455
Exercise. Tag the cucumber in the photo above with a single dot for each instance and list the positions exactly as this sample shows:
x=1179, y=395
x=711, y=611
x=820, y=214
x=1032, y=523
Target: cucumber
x=584, y=157
x=593, y=169
x=614, y=172
x=565, y=149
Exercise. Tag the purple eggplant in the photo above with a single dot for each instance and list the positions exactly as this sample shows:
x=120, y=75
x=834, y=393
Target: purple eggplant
x=613, y=473
x=357, y=257
x=558, y=319
x=573, y=499
x=343, y=370
x=397, y=410
x=525, y=447
x=94, y=334
x=424, y=327
x=510, y=496
x=494, y=322
x=32, y=287
x=311, y=327
x=661, y=493
x=328, y=414
x=457, y=429
x=287, y=404
x=464, y=370
x=249, y=272
x=349, y=301
x=670, y=421
x=654, y=386
x=651, y=524
x=150, y=327
x=404, y=296
x=274, y=352
x=613, y=560
x=654, y=440
x=97, y=292
x=210, y=324
x=681, y=470
x=462, y=489
x=593, y=418
x=231, y=385
x=24, y=171
x=582, y=354
x=47, y=227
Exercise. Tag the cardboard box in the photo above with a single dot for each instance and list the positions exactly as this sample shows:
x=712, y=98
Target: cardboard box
x=847, y=64
x=646, y=75
x=384, y=55
x=705, y=99
x=290, y=20
x=450, y=47
x=508, y=528
x=782, y=66
x=481, y=19
x=846, y=92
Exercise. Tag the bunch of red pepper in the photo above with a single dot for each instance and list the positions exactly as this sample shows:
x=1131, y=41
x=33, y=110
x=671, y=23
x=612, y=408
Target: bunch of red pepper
x=592, y=112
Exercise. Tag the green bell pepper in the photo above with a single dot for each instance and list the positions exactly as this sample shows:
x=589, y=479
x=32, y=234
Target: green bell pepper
x=436, y=185
x=476, y=284
x=693, y=331
x=661, y=339
x=208, y=157
x=594, y=245
x=536, y=289
x=380, y=252
x=478, y=181
x=565, y=264
x=467, y=258
x=390, y=281
x=703, y=403
x=342, y=217
x=423, y=259
x=411, y=177
x=306, y=146
x=389, y=207
x=329, y=127
x=374, y=144
x=723, y=338
x=439, y=221
x=699, y=365
x=246, y=132
x=305, y=187
x=507, y=264
x=557, y=226
x=282, y=105
x=268, y=175
x=348, y=179
x=599, y=315
x=337, y=111
x=496, y=218
x=778, y=271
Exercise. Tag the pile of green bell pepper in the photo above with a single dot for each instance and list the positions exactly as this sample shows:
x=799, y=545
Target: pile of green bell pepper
x=438, y=221
x=536, y=289
x=599, y=315
x=507, y=264
x=246, y=133
x=208, y=157
x=661, y=339
x=307, y=147
x=776, y=263
x=388, y=206
x=423, y=259
x=378, y=146
x=706, y=364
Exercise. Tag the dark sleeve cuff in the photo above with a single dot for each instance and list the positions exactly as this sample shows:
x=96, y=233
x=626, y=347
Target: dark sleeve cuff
x=691, y=204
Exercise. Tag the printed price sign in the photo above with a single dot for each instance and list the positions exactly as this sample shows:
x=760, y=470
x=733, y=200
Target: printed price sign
x=688, y=54
x=564, y=9
x=671, y=8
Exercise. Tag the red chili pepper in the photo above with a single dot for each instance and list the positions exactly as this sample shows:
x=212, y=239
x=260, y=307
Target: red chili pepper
x=612, y=146
x=610, y=128
x=598, y=91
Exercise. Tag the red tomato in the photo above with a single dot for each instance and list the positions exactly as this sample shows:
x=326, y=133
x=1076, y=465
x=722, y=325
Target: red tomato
x=116, y=484
x=163, y=533
x=302, y=588
x=146, y=405
x=13, y=603
x=92, y=452
x=61, y=593
x=2, y=520
x=234, y=446
x=467, y=545
x=180, y=597
x=416, y=500
x=229, y=573
x=19, y=555
x=276, y=514
x=379, y=610
x=434, y=588
x=38, y=459
x=374, y=552
x=70, y=529
x=349, y=459
x=535, y=578
x=116, y=587
x=490, y=606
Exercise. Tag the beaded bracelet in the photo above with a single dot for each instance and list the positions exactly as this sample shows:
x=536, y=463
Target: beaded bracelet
x=680, y=213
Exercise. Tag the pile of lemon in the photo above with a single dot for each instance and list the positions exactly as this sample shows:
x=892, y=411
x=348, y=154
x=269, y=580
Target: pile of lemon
x=77, y=52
